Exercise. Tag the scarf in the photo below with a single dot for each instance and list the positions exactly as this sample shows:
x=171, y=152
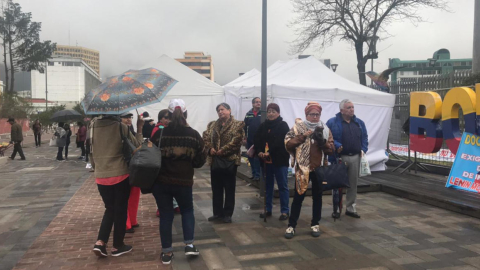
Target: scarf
x=311, y=126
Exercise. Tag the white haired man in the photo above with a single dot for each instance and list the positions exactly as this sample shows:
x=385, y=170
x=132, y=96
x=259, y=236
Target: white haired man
x=350, y=138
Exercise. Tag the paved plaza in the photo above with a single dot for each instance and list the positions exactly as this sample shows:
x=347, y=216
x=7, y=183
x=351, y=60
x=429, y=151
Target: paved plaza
x=50, y=213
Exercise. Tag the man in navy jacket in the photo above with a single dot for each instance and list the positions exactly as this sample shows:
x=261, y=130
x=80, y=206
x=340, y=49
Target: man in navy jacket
x=351, y=139
x=252, y=123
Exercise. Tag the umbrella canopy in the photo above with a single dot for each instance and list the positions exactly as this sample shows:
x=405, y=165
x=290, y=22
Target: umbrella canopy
x=130, y=90
x=65, y=115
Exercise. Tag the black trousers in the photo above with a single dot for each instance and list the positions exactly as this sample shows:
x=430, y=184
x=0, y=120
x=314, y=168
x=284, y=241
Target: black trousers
x=316, y=207
x=82, y=147
x=60, y=153
x=223, y=182
x=17, y=147
x=38, y=138
x=66, y=149
x=115, y=198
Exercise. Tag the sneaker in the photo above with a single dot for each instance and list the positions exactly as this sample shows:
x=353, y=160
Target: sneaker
x=283, y=216
x=166, y=259
x=191, y=251
x=315, y=231
x=81, y=157
x=100, y=250
x=290, y=232
x=120, y=251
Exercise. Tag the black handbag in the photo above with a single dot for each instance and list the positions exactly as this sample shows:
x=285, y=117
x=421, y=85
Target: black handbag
x=223, y=165
x=145, y=165
x=127, y=147
x=333, y=176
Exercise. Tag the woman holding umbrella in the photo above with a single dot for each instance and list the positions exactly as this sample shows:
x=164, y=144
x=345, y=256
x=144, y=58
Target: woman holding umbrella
x=61, y=135
x=111, y=176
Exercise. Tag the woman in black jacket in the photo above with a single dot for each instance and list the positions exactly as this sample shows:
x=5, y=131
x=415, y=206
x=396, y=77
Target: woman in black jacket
x=270, y=147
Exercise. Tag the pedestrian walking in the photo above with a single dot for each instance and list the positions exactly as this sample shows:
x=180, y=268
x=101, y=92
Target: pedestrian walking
x=67, y=136
x=182, y=151
x=309, y=142
x=351, y=141
x=37, y=132
x=111, y=176
x=134, y=199
x=269, y=143
x=16, y=138
x=81, y=138
x=61, y=140
x=252, y=123
x=223, y=140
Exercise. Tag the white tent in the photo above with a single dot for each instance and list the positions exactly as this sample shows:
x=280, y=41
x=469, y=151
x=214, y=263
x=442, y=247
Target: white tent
x=291, y=84
x=200, y=94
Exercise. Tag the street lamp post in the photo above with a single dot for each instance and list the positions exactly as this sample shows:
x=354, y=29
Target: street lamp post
x=263, y=109
x=46, y=86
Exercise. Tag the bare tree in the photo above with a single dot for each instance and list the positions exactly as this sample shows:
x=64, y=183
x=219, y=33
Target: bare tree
x=360, y=22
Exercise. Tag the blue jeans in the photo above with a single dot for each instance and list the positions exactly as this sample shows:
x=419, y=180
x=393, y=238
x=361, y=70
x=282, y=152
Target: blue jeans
x=164, y=195
x=254, y=164
x=279, y=173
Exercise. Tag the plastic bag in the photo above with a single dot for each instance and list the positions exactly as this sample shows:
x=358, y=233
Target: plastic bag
x=364, y=166
x=53, y=142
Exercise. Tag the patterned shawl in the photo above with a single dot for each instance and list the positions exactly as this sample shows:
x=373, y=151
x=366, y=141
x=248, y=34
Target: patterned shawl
x=301, y=156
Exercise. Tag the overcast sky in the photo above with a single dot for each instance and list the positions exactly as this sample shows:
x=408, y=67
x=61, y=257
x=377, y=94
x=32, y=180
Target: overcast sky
x=129, y=33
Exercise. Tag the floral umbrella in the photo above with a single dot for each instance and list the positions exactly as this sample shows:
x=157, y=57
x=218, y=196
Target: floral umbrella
x=130, y=90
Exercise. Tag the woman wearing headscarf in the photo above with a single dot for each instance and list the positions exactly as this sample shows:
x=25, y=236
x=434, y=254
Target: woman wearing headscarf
x=182, y=152
x=309, y=142
x=269, y=143
x=223, y=139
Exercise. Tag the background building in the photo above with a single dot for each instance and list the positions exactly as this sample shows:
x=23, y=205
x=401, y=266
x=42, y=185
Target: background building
x=68, y=81
x=200, y=63
x=419, y=68
x=89, y=56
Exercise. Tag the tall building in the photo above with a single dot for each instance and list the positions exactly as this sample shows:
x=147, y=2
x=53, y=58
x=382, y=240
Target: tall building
x=69, y=79
x=419, y=68
x=89, y=56
x=200, y=63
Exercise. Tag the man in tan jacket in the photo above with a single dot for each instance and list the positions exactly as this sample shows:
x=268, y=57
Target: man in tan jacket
x=16, y=139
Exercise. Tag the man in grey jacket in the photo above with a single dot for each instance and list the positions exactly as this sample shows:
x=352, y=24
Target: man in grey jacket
x=16, y=138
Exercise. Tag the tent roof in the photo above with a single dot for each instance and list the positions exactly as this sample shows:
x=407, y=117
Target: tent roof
x=308, y=77
x=190, y=83
x=245, y=77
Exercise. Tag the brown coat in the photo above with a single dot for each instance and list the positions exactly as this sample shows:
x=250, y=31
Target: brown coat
x=227, y=138
x=16, y=133
x=107, y=147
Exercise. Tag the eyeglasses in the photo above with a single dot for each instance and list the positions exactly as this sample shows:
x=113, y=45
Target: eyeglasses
x=314, y=115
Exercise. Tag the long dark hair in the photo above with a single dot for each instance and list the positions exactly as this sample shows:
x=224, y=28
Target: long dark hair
x=163, y=113
x=177, y=118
